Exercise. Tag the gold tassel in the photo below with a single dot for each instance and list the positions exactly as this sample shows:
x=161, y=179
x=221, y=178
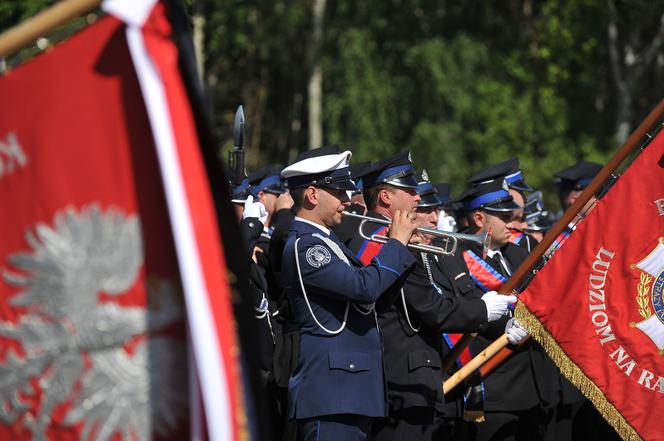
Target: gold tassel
x=570, y=370
x=474, y=416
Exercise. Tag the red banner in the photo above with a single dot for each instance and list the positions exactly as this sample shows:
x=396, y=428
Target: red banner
x=597, y=306
x=92, y=313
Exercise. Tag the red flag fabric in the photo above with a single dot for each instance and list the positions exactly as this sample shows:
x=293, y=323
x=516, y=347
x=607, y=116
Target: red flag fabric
x=107, y=221
x=597, y=307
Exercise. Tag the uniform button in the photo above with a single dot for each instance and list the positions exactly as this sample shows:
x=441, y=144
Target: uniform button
x=428, y=361
x=251, y=225
x=352, y=366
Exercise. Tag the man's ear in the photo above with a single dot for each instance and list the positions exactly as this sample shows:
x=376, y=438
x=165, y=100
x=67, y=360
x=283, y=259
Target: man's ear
x=479, y=218
x=260, y=196
x=311, y=196
x=385, y=197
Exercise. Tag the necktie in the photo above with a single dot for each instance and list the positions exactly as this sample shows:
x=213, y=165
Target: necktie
x=504, y=266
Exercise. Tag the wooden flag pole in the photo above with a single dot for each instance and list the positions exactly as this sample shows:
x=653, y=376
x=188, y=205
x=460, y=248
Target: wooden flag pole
x=475, y=363
x=633, y=142
x=28, y=31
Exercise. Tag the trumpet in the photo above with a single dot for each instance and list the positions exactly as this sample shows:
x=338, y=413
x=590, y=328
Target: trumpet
x=450, y=241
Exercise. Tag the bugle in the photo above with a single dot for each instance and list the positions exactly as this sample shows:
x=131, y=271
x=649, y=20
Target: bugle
x=449, y=241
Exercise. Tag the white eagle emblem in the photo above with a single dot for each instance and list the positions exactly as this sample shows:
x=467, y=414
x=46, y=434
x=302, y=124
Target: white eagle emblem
x=318, y=256
x=74, y=345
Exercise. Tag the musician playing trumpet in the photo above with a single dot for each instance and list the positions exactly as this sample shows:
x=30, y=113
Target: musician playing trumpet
x=412, y=326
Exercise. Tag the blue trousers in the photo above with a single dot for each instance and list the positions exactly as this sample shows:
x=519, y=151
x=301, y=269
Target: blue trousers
x=343, y=427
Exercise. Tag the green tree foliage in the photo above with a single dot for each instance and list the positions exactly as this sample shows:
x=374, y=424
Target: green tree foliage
x=460, y=84
x=13, y=12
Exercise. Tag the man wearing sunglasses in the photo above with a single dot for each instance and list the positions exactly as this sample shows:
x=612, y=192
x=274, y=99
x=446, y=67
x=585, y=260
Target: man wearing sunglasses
x=338, y=386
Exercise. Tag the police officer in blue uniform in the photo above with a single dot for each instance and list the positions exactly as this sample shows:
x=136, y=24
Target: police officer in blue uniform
x=286, y=350
x=338, y=386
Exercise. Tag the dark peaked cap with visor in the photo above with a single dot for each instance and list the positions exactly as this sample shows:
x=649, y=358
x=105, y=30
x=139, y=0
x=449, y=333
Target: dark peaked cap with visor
x=426, y=190
x=266, y=179
x=577, y=176
x=320, y=168
x=357, y=173
x=508, y=170
x=397, y=171
x=488, y=196
x=240, y=192
x=444, y=191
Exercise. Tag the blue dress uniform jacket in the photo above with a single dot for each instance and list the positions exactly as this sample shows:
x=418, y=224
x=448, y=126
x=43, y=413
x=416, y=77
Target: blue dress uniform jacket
x=338, y=373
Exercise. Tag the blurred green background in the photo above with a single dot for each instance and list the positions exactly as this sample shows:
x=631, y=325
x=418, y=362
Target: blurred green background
x=462, y=84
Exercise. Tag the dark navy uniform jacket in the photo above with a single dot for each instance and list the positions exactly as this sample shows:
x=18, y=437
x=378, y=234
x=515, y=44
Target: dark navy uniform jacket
x=413, y=342
x=339, y=373
x=524, y=380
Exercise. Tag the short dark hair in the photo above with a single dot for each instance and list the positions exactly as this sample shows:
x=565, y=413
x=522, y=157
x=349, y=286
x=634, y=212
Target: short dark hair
x=298, y=197
x=371, y=195
x=470, y=218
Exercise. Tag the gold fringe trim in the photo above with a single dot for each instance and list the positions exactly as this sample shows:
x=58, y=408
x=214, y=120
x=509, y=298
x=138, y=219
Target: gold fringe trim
x=574, y=374
x=474, y=416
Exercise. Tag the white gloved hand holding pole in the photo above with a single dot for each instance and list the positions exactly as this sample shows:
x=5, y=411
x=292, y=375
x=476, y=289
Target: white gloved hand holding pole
x=254, y=209
x=515, y=333
x=497, y=304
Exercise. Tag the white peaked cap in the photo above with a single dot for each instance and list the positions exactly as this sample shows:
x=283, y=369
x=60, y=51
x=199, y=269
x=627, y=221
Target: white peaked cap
x=318, y=164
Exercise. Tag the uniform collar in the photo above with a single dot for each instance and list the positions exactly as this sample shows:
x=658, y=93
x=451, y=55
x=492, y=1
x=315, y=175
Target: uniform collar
x=320, y=227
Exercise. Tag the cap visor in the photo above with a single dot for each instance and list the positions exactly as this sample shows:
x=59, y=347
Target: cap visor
x=502, y=206
x=521, y=186
x=347, y=185
x=429, y=200
x=407, y=181
x=275, y=190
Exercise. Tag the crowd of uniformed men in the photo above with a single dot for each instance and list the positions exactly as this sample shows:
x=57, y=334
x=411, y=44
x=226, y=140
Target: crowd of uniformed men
x=356, y=331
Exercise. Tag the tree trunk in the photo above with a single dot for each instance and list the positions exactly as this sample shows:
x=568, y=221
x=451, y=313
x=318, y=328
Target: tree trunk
x=198, y=20
x=629, y=60
x=315, y=88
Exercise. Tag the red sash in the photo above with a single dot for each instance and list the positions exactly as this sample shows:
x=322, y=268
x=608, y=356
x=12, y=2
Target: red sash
x=370, y=248
x=516, y=236
x=465, y=356
x=484, y=275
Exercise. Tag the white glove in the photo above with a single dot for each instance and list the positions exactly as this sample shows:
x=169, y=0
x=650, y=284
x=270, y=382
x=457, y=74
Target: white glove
x=497, y=304
x=515, y=333
x=254, y=209
x=446, y=223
